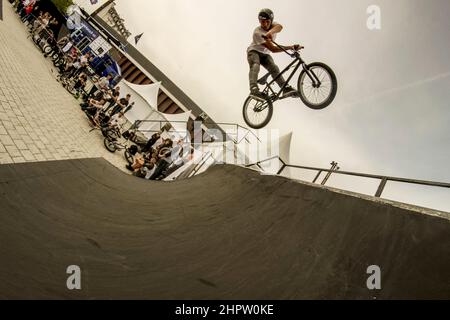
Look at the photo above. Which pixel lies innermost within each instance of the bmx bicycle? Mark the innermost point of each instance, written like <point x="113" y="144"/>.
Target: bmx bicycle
<point x="316" y="86"/>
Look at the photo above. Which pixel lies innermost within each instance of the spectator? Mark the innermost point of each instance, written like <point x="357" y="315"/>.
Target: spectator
<point x="121" y="105"/>
<point x="93" y="106"/>
<point x="117" y="121"/>
<point x="65" y="44"/>
<point x="164" y="159"/>
<point x="102" y="84"/>
<point x="115" y="94"/>
<point x="41" y="23"/>
<point x="81" y="82"/>
<point x="149" y="145"/>
<point x="84" y="62"/>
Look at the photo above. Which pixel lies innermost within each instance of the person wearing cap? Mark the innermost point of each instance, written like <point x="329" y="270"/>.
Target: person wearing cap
<point x="258" y="53"/>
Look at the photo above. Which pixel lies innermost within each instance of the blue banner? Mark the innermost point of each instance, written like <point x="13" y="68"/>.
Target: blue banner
<point x="88" y="30"/>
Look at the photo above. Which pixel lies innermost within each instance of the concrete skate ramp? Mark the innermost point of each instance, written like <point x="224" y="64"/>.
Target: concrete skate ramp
<point x="227" y="234"/>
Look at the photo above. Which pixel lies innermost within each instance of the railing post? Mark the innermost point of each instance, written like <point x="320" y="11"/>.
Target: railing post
<point x="381" y="187"/>
<point x="281" y="169"/>
<point x="317" y="176"/>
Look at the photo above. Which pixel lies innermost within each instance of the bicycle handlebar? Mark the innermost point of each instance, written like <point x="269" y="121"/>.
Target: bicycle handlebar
<point x="281" y="47"/>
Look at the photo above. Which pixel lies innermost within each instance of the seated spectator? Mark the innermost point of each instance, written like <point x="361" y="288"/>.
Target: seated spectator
<point x="79" y="85"/>
<point x="41" y="23"/>
<point x="25" y="7"/>
<point x="103" y="84"/>
<point x="142" y="161"/>
<point x="81" y="82"/>
<point x="121" y="105"/>
<point x="115" y="95"/>
<point x="164" y="160"/>
<point x="84" y="61"/>
<point x="139" y="140"/>
<point x="71" y="68"/>
<point x="53" y="25"/>
<point x="117" y="121"/>
<point x="93" y="106"/>
<point x="149" y="145"/>
<point x="162" y="149"/>
<point x="65" y="44"/>
<point x="113" y="98"/>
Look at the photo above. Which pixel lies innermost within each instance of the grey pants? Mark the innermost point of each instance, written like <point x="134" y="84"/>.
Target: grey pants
<point x="255" y="59"/>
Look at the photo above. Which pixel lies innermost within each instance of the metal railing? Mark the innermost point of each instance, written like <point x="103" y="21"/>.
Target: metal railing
<point x="383" y="179"/>
<point x="229" y="136"/>
<point x="201" y="163"/>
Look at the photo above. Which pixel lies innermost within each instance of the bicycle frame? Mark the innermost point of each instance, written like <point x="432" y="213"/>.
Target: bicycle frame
<point x="300" y="62"/>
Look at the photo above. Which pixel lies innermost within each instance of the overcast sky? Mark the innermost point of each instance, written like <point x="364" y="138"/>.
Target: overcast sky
<point x="391" y="113"/>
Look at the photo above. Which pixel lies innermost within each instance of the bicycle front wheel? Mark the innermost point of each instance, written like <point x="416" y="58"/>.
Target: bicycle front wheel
<point x="257" y="112"/>
<point x="313" y="95"/>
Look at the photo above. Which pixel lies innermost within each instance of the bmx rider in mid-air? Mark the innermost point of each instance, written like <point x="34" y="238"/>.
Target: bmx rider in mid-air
<point x="259" y="53"/>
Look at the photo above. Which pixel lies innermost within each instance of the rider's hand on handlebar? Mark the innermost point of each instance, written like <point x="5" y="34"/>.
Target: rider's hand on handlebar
<point x="297" y="47"/>
<point x="268" y="36"/>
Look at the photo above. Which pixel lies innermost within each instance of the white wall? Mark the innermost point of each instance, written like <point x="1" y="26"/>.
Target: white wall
<point x="391" y="113"/>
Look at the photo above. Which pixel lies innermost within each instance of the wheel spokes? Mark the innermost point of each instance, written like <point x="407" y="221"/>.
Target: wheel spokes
<point x="313" y="93"/>
<point x="257" y="111"/>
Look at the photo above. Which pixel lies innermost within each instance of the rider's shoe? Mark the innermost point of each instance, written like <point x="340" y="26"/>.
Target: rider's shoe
<point x="129" y="167"/>
<point x="255" y="93"/>
<point x="289" y="92"/>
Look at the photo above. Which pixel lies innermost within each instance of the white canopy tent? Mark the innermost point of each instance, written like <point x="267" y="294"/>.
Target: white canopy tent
<point x="141" y="109"/>
<point x="145" y="109"/>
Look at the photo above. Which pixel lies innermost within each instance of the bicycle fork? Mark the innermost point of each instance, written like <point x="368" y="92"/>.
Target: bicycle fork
<point x="312" y="76"/>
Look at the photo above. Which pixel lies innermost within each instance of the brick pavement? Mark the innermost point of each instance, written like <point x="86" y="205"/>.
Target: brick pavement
<point x="39" y="119"/>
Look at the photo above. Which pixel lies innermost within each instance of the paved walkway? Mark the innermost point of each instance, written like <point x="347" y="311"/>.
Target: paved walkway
<point x="39" y="119"/>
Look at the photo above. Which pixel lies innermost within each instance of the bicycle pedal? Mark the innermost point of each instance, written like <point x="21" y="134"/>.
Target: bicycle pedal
<point x="258" y="98"/>
<point x="290" y="95"/>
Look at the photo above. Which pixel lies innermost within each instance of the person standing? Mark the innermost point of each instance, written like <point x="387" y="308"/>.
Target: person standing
<point x="258" y="53"/>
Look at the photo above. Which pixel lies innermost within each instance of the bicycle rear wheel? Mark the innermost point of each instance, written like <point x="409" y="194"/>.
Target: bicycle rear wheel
<point x="314" y="96"/>
<point x="109" y="145"/>
<point x="257" y="112"/>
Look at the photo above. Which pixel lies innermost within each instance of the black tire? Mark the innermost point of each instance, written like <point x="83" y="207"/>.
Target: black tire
<point x="109" y="145"/>
<point x="47" y="49"/>
<point x="58" y="63"/>
<point x="70" y="89"/>
<point x="256" y="108"/>
<point x="55" y="57"/>
<point x="36" y="39"/>
<point x="128" y="156"/>
<point x="111" y="135"/>
<point x="327" y="90"/>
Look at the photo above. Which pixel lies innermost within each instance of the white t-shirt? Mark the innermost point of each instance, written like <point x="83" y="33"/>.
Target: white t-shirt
<point x="26" y="3"/>
<point x="258" y="40"/>
<point x="116" y="120"/>
<point x="76" y="65"/>
<point x="83" y="60"/>
<point x="103" y="83"/>
<point x="67" y="47"/>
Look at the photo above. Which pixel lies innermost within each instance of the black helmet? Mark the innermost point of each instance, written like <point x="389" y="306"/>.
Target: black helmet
<point x="265" y="14"/>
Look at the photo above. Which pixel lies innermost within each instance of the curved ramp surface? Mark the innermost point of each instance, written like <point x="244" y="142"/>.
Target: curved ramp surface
<point x="227" y="234"/>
